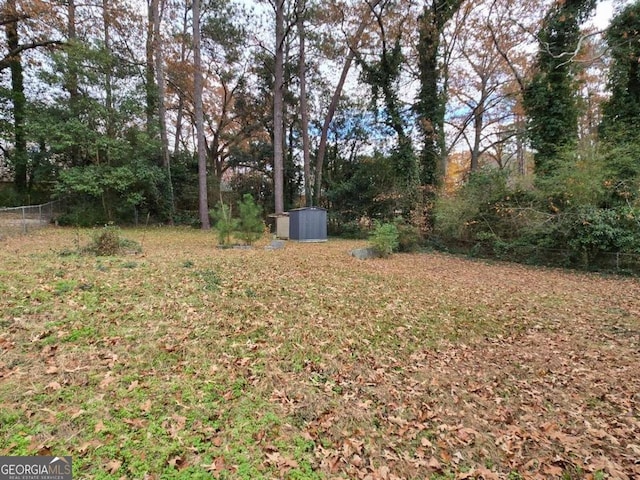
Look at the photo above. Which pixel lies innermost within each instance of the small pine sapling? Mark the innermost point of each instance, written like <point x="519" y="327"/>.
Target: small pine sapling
<point x="251" y="225"/>
<point x="225" y="224"/>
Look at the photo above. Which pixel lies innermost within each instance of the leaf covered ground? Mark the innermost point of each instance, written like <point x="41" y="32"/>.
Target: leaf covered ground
<point x="187" y="361"/>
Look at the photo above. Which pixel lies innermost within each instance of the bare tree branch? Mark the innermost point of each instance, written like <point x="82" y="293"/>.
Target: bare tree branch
<point x="9" y="57"/>
<point x="572" y="55"/>
<point x="5" y="20"/>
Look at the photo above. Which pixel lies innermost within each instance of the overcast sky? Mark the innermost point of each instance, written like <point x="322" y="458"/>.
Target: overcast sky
<point x="604" y="12"/>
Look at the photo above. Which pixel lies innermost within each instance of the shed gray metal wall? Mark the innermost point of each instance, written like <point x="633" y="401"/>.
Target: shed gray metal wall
<point x="308" y="224"/>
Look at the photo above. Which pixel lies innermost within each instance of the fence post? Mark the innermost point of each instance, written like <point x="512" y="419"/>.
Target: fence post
<point x="24" y="220"/>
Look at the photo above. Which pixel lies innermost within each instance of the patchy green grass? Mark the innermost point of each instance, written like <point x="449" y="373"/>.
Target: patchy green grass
<point x="187" y="361"/>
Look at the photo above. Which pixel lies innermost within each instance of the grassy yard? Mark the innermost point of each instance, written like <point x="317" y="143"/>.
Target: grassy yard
<point x="186" y="361"/>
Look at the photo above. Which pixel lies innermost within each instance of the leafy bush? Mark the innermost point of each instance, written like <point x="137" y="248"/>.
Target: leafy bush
<point x="85" y="213"/>
<point x="409" y="236"/>
<point x="576" y="215"/>
<point x="8" y="196"/>
<point x="343" y="225"/>
<point x="477" y="208"/>
<point x="452" y="217"/>
<point x="108" y="242"/>
<point x="363" y="189"/>
<point x="578" y="179"/>
<point x="251" y="226"/>
<point x="119" y="191"/>
<point x="384" y="239"/>
<point x="596" y="230"/>
<point x="623" y="171"/>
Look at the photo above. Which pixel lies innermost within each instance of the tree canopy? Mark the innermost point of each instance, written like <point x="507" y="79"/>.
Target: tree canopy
<point x="375" y="109"/>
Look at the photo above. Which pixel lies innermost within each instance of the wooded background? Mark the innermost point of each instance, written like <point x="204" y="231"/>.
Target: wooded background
<point x="490" y="123"/>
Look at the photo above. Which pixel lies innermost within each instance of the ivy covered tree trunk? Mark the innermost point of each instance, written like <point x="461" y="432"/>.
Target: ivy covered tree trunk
<point x="19" y="156"/>
<point x="621" y="113"/>
<point x="430" y="105"/>
<point x="383" y="75"/>
<point x="620" y="127"/>
<point x="550" y="99"/>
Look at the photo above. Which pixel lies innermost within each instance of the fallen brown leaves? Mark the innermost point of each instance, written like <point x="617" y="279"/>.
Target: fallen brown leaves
<point x="554" y="393"/>
<point x="417" y="366"/>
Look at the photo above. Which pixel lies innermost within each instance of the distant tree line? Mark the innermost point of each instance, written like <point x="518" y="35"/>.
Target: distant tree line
<point x="437" y="115"/>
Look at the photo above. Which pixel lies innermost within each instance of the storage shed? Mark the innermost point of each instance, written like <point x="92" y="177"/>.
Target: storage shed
<point x="282" y="226"/>
<point x="308" y="224"/>
<point x="279" y="224"/>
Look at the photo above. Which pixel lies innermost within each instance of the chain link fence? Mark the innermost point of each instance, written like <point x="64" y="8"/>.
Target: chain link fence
<point x="612" y="262"/>
<point x="22" y="220"/>
<point x="607" y="262"/>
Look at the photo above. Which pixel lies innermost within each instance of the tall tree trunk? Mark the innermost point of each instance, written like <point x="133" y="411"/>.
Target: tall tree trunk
<point x="550" y="99"/>
<point x="150" y="85"/>
<point x="203" y="204"/>
<point x="478" y="127"/>
<point x="108" y="83"/>
<point x="158" y="6"/>
<point x="278" y="106"/>
<point x="430" y="106"/>
<point x="20" y="158"/>
<point x="108" y="80"/>
<point x="71" y="78"/>
<point x="477" y="132"/>
<point x="335" y="99"/>
<point x="215" y="162"/>
<point x="71" y="83"/>
<point x="304" y="108"/>
<point x="520" y="145"/>
<point x="178" y="130"/>
<point x="382" y="75"/>
<point x="181" y="99"/>
<point x="290" y="185"/>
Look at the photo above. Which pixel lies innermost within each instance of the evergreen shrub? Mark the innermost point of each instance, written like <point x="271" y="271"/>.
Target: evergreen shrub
<point x="384" y="239"/>
<point x="225" y="223"/>
<point x="250" y="225"/>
